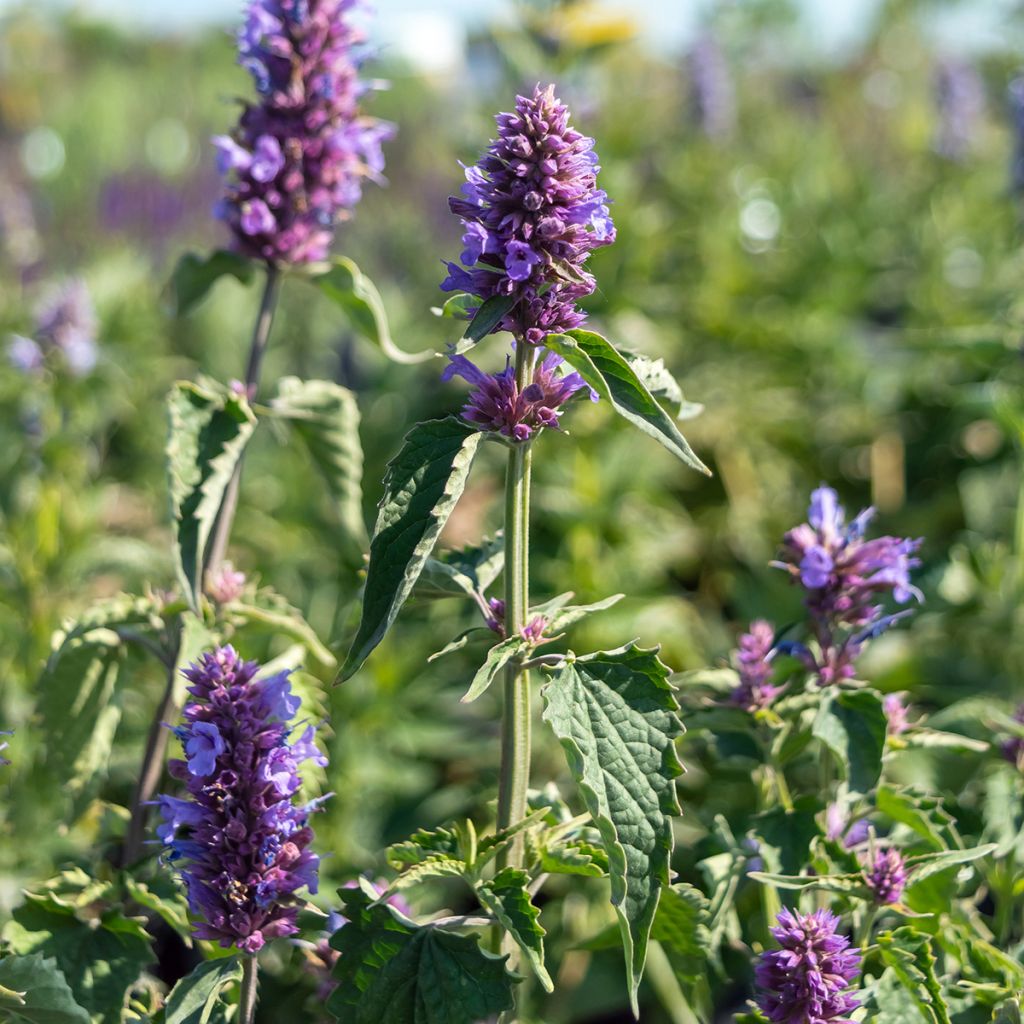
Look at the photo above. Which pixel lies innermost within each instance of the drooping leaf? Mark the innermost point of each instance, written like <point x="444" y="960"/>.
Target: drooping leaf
<point x="681" y="926"/>
<point x="457" y="307"/>
<point x="506" y="897"/>
<point x="611" y="376"/>
<point x="497" y="658"/>
<point x="616" y="718"/>
<point x="424" y="482"/>
<point x="163" y="898"/>
<point x="853" y="725"/>
<point x="392" y="972"/>
<point x="850" y="885"/>
<point x="196" y="998"/>
<point x="461" y="641"/>
<point x="34" y="991"/>
<point x="909" y="954"/>
<point x="113" y="613"/>
<point x="326" y="416"/>
<point x="655" y="376"/>
<point x="208" y="433"/>
<point x="350" y="289"/>
<point x="195" y="275"/>
<point x="463" y="572"/>
<point x="563" y="618"/>
<point x="924" y="738"/>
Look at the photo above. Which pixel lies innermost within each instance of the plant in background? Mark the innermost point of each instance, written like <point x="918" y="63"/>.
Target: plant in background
<point x="532" y="213"/>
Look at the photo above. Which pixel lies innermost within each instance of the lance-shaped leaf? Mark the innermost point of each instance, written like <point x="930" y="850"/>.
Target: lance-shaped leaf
<point x="497" y="658"/>
<point x="350" y="289"/>
<point x="926" y="864"/>
<point x="506" y="897"/>
<point x="488" y="316"/>
<point x="195" y="275"/>
<point x="564" y="617"/>
<point x="853" y="725"/>
<point x="616" y="717"/>
<point x="662" y="385"/>
<point x="848" y="885"/>
<point x="609" y="373"/>
<point x="464" y="572"/>
<point x="196" y="997"/>
<point x="34" y="991"/>
<point x="423" y="484"/>
<point x="392" y="972"/>
<point x="909" y="954"/>
<point x="326" y="416"/>
<point x="123" y="611"/>
<point x="208" y="433"/>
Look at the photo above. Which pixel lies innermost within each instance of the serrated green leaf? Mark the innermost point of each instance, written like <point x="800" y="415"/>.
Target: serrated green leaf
<point x="464" y="572"/>
<point x="392" y="972"/>
<point x="574" y="857"/>
<point x="33" y="990"/>
<point x="196" y="998"/>
<point x="351" y="290"/>
<point x="612" y="377"/>
<point x="562" y="618"/>
<point x="506" y="896"/>
<point x="208" y="433"/>
<point x="489" y="846"/>
<point x="488" y="316"/>
<point x="497" y="658"/>
<point x="853" y="725"/>
<point x="845" y="884"/>
<point x="892" y="1003"/>
<point x="654" y="375"/>
<point x="926" y="864"/>
<point x="922" y="813"/>
<point x="122" y="610"/>
<point x="909" y="954"/>
<point x="426" y="853"/>
<point x="616" y="718"/>
<point x="923" y="738"/>
<point x="326" y="416"/>
<point x="681" y="926"/>
<point x="786" y="836"/>
<point x="164" y="899"/>
<point x="424" y="482"/>
<point x="195" y="275"/>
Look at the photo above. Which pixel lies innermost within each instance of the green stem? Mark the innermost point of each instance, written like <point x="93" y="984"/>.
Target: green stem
<point x="250" y="984"/>
<point x="260" y="339"/>
<point x="863" y="937"/>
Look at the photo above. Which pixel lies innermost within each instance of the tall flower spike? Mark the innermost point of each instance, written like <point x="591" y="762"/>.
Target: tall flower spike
<point x="844" y="576"/>
<point x="753" y="662"/>
<point x="240" y="835"/>
<point x="807" y="981"/>
<point x="296" y="163"/>
<point x="886" y="875"/>
<point x="532" y="214"/>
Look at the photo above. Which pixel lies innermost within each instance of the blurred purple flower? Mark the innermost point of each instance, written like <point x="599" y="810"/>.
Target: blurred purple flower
<point x="886" y="875"/>
<point x="246" y="844"/>
<point x="753" y="660"/>
<point x="959" y="102"/>
<point x="532" y="214"/>
<point x="896" y="714"/>
<point x="844" y="575"/>
<point x="66" y="321"/>
<point x="24" y="354"/>
<point x="807" y="980"/>
<point x="296" y="163"/>
<point x="712" y="96"/>
<point x="225" y="584"/>
<point x="836" y="820"/>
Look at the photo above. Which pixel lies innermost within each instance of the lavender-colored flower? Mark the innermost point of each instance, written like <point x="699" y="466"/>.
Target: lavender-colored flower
<point x="1013" y="748"/>
<point x="245" y="842"/>
<point x="896" y="714"/>
<point x="712" y="96"/>
<point x="753" y="660"/>
<point x="66" y="321"/>
<point x="495" y="617"/>
<point x="959" y="101"/>
<point x="225" y="584"/>
<point x="844" y="575"/>
<point x="533" y="631"/>
<point x="886" y="875"/>
<point x="807" y="981"/>
<point x="296" y="163"/>
<point x="495" y="403"/>
<point x="532" y="214"/>
<point x="24" y="354"/>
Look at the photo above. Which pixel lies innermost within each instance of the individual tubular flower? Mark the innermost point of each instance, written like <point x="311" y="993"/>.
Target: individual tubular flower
<point x="807" y="981"/>
<point x="753" y="660"/>
<point x="242" y="838"/>
<point x="497" y="404"/>
<point x="844" y="577"/>
<point x="886" y="875"/>
<point x="532" y="214"/>
<point x="296" y="163"/>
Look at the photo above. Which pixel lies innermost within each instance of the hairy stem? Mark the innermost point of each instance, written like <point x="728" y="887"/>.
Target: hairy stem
<point x="250" y="984"/>
<point x="260" y="338"/>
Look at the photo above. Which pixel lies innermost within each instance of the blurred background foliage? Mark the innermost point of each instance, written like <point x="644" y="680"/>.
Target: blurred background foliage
<point x="825" y="252"/>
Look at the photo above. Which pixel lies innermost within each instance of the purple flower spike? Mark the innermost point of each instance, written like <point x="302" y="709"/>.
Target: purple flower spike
<point x="532" y="214"/>
<point x="886" y="876"/>
<point x="896" y="714"/>
<point x="753" y="662"/>
<point x="495" y="403"/>
<point x="844" y="576"/>
<point x="295" y="165"/>
<point x="242" y="840"/>
<point x="807" y="980"/>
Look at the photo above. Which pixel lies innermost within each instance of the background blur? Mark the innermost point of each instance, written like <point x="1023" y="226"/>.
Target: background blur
<point x="819" y="231"/>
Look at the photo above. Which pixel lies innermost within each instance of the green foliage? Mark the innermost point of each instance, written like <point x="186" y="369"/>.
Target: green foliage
<point x="392" y="972"/>
<point x="909" y="955"/>
<point x="488" y="316"/>
<point x="208" y="433"/>
<point x="852" y="724"/>
<point x="506" y="896"/>
<point x="196" y="998"/>
<point x="615" y="716"/>
<point x="195" y="275"/>
<point x="423" y="484"/>
<point x="500" y="655"/>
<point x="611" y="375"/>
<point x="464" y="572"/>
<point x="33" y="991"/>
<point x="681" y="926"/>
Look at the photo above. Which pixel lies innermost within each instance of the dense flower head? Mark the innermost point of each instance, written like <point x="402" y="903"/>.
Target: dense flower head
<point x="296" y="163"/>
<point x="844" y="576"/>
<point x="753" y="659"/>
<point x="497" y="404"/>
<point x="240" y="835"/>
<point x="886" y="875"/>
<point x="65" y="325"/>
<point x="807" y="981"/>
<point x="532" y="214"/>
<point x="959" y="101"/>
<point x="1013" y="748"/>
